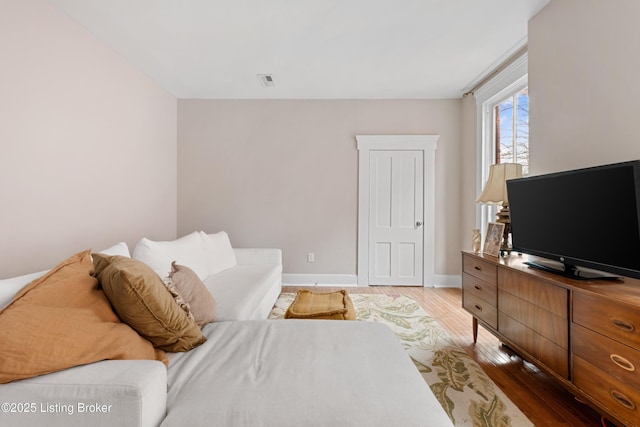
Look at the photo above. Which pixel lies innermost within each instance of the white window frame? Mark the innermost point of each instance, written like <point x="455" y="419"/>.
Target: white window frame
<point x="510" y="80"/>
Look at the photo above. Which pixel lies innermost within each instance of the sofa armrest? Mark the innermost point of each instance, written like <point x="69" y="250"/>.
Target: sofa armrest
<point x="258" y="256"/>
<point x="131" y="393"/>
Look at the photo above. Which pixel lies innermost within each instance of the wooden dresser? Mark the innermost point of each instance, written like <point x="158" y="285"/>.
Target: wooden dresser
<point x="584" y="333"/>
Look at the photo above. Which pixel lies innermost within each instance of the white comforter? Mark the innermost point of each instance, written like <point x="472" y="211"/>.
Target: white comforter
<point x="299" y="373"/>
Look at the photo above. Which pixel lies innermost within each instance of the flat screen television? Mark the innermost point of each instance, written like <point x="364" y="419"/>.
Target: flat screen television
<point x="580" y="218"/>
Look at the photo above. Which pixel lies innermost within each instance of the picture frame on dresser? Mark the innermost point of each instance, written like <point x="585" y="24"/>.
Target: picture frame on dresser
<point x="493" y="238"/>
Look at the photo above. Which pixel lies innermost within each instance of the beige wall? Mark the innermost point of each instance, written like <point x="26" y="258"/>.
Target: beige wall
<point x="583" y="84"/>
<point x="284" y="174"/>
<point x="468" y="170"/>
<point x="88" y="143"/>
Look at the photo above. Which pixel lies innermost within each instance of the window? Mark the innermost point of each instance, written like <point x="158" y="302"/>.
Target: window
<point x="503" y="126"/>
<point x="511" y="129"/>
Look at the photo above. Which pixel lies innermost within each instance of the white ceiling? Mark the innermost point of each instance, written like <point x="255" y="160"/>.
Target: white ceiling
<point x="315" y="49"/>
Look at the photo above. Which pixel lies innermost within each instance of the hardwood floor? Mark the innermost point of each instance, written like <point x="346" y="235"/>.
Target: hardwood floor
<point x="539" y="397"/>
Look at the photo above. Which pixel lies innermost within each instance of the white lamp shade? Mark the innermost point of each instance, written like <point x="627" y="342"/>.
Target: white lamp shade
<point x="495" y="191"/>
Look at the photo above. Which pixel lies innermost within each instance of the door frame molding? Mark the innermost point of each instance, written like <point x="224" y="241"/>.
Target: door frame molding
<point x="425" y="143"/>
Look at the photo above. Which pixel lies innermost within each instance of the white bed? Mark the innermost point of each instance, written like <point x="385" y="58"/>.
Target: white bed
<point x="299" y="373"/>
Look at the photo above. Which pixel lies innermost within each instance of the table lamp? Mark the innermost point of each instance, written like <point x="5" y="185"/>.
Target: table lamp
<point x="495" y="193"/>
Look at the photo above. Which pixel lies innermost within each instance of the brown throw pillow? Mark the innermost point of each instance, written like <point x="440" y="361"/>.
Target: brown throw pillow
<point x="201" y="302"/>
<point x="61" y="320"/>
<point x="143" y="302"/>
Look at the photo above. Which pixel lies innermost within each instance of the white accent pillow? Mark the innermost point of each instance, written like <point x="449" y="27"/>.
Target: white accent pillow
<point x="117" y="249"/>
<point x="10" y="287"/>
<point x="188" y="250"/>
<point x="220" y="255"/>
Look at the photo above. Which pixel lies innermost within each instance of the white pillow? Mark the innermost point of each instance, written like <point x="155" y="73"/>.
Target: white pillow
<point x="220" y="255"/>
<point x="188" y="250"/>
<point x="117" y="249"/>
<point x="10" y="287"/>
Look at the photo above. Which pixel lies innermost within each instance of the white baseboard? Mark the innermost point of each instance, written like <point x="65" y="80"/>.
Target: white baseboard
<point x="346" y="280"/>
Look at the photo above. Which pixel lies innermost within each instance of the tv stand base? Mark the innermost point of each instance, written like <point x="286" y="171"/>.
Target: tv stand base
<point x="570" y="271"/>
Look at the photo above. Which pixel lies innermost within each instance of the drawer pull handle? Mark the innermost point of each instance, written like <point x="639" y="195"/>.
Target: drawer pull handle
<point x="479" y="308"/>
<point x="622" y="362"/>
<point x="622" y="399"/>
<point x="477" y="267"/>
<point x="479" y="288"/>
<point x="621" y="324"/>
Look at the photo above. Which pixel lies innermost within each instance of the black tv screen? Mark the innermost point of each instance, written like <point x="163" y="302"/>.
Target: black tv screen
<point x="587" y="217"/>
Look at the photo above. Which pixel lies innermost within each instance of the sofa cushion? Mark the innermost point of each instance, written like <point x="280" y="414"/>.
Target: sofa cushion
<point x="188" y="250"/>
<point x="311" y="373"/>
<point x="142" y="301"/>
<point x="201" y="303"/>
<point x="220" y="254"/>
<point x="133" y="392"/>
<point x="240" y="290"/>
<point x="117" y="249"/>
<point x="62" y="320"/>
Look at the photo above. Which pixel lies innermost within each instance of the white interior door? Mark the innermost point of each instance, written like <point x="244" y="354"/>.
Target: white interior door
<point x="396" y="216"/>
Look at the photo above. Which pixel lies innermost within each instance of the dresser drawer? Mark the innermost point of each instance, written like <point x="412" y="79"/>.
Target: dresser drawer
<point x="612" y="357"/>
<point x="619" y="399"/>
<point x="483" y="270"/>
<point x="545" y="323"/>
<point x="554" y="299"/>
<point x="480" y="309"/>
<point x="479" y="288"/>
<point x="552" y="355"/>
<point x="614" y="320"/>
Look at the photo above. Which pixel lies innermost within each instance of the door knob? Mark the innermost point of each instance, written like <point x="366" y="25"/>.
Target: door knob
<point x="418" y="224"/>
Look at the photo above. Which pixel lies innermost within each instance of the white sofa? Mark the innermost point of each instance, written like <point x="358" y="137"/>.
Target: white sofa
<point x="248" y="372"/>
<point x="245" y="286"/>
<point x="248" y="290"/>
<point x="244" y="282"/>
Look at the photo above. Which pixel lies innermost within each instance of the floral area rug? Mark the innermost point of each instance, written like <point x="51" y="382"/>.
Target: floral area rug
<point x="465" y="392"/>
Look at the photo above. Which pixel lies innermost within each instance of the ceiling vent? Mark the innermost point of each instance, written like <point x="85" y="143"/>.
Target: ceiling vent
<point x="266" y="80"/>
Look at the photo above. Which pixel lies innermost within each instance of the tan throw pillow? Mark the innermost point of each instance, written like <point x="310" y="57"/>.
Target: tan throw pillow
<point x="143" y="302"/>
<point x="61" y="320"/>
<point x="195" y="293"/>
